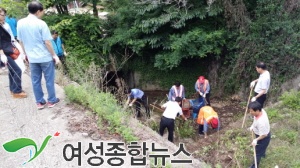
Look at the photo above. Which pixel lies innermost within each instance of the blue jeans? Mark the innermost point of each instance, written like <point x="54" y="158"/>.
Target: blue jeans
<point x="14" y="76"/>
<point x="48" y="69"/>
<point x="203" y="128"/>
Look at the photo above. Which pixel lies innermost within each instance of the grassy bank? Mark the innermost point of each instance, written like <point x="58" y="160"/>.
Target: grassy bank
<point x="284" y="148"/>
<point x="232" y="147"/>
<point x="104" y="105"/>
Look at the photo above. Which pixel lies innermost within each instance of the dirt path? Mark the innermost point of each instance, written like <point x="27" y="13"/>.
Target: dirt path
<point x="20" y="118"/>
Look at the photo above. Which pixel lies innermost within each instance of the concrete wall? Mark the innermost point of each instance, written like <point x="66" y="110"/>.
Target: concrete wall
<point x="134" y="81"/>
<point x="291" y="84"/>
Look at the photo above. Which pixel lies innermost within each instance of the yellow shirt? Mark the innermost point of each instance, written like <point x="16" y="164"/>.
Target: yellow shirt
<point x="206" y="113"/>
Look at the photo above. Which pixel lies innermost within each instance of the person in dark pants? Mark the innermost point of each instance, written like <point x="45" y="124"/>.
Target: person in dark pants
<point x="261" y="129"/>
<point x="6" y="45"/>
<point x="138" y="97"/>
<point x="262" y="84"/>
<point x="203" y="88"/>
<point x="169" y="115"/>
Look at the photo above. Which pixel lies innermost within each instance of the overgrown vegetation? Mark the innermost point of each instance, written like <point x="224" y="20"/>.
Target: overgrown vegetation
<point x="166" y="36"/>
<point x="184" y="129"/>
<point x="291" y="99"/>
<point x="105" y="105"/>
<point x="233" y="147"/>
<point x="82" y="36"/>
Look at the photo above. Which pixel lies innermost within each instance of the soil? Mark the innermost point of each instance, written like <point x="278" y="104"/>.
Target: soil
<point x="229" y="112"/>
<point x="85" y="122"/>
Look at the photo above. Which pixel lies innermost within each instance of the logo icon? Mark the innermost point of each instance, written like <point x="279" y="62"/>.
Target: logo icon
<point x="19" y="143"/>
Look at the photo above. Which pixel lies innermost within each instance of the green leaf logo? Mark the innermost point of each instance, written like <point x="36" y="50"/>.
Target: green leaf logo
<point x="19" y="143"/>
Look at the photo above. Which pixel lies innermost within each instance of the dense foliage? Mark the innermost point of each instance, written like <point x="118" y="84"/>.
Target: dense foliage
<point x="173" y="41"/>
<point x="81" y="34"/>
<point x="233" y="35"/>
<point x="166" y="32"/>
<point x="272" y="37"/>
<point x="16" y="9"/>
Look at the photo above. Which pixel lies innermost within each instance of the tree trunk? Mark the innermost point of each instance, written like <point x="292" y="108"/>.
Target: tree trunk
<point x="65" y="7"/>
<point x="59" y="11"/>
<point x="95" y="10"/>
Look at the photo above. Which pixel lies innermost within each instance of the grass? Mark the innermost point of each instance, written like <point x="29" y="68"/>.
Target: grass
<point x="283" y="149"/>
<point x="104" y="105"/>
<point x="92" y="94"/>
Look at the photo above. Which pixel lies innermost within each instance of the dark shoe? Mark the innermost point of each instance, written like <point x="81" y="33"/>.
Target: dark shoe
<point x="19" y="95"/>
<point x="50" y="105"/>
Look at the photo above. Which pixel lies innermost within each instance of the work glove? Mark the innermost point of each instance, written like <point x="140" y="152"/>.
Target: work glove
<point x="252" y="84"/>
<point x="254" y="142"/>
<point x="65" y="53"/>
<point x="4" y="59"/>
<point x="201" y="94"/>
<point x="253" y="99"/>
<point x="130" y="105"/>
<point x="204" y="95"/>
<point x="251" y="128"/>
<point x="56" y="60"/>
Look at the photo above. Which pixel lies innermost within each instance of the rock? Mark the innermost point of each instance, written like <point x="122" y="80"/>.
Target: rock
<point x="85" y="134"/>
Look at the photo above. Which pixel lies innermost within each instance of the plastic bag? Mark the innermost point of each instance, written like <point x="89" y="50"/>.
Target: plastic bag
<point x="20" y="60"/>
<point x="197" y="104"/>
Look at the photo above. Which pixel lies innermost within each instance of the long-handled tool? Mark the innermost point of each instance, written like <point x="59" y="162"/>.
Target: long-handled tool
<point x="254" y="151"/>
<point x="205" y="101"/>
<point x="247" y="107"/>
<point x="157" y="107"/>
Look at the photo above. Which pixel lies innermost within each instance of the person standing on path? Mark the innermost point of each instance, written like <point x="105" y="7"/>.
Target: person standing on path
<point x="59" y="48"/>
<point x="203" y="88"/>
<point x="177" y="90"/>
<point x="6" y="45"/>
<point x="261" y="129"/>
<point x="169" y="115"/>
<point x="262" y="84"/>
<point x="138" y="97"/>
<point x="35" y="38"/>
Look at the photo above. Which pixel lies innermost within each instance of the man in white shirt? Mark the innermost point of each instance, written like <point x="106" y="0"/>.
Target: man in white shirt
<point x="169" y="115"/>
<point x="262" y="84"/>
<point x="261" y="129"/>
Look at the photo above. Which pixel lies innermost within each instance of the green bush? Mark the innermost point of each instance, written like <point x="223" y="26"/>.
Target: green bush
<point x="184" y="128"/>
<point x="274" y="115"/>
<point x="81" y="34"/>
<point x="291" y="99"/>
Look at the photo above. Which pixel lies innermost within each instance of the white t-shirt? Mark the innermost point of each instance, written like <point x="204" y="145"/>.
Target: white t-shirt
<point x="172" y="108"/>
<point x="263" y="82"/>
<point x="261" y="124"/>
